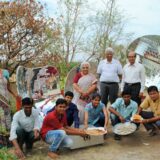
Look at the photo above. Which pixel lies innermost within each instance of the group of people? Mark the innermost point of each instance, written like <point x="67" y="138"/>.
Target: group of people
<point x="86" y="106"/>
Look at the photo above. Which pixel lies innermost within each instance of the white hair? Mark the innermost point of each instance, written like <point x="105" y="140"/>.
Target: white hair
<point x="85" y="63"/>
<point x="109" y="49"/>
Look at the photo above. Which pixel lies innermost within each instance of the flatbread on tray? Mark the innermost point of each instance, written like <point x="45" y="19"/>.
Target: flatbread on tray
<point x="96" y="131"/>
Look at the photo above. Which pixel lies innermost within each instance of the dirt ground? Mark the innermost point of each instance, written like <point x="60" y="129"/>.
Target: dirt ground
<point x="137" y="146"/>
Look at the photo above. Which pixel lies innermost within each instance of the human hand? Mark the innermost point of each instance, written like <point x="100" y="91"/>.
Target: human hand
<point x="36" y="134"/>
<point x="141" y="94"/>
<point x="144" y="121"/>
<point x="19" y="154"/>
<point x="105" y="128"/>
<point x="84" y="135"/>
<point x="122" y="119"/>
<point x="85" y="127"/>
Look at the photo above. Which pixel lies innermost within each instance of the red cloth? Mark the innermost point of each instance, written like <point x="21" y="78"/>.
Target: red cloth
<point x="52" y="70"/>
<point x="77" y="77"/>
<point x="51" y="122"/>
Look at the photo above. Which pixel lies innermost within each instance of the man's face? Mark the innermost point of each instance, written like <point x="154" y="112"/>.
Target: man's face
<point x="127" y="98"/>
<point x="154" y="95"/>
<point x="68" y="99"/>
<point x="27" y="110"/>
<point x="95" y="101"/>
<point x="109" y="56"/>
<point x="131" y="57"/>
<point x="61" y="108"/>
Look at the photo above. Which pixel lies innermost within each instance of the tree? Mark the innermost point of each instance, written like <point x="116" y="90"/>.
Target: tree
<point x="72" y="27"/>
<point x="22" y="34"/>
<point x="108" y="26"/>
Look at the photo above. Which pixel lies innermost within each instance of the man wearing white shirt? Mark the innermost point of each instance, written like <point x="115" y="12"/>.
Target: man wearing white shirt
<point x="109" y="71"/>
<point x="24" y="127"/>
<point x="133" y="78"/>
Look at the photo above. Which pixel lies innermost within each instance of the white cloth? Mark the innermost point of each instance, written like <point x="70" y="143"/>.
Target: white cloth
<point x="133" y="74"/>
<point x="109" y="71"/>
<point x="27" y="123"/>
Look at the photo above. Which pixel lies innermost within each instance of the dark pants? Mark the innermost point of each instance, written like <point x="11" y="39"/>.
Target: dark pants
<point x="115" y="120"/>
<point x="135" y="90"/>
<point x="101" y="121"/>
<point x="152" y="125"/>
<point x="109" y="91"/>
<point x="25" y="137"/>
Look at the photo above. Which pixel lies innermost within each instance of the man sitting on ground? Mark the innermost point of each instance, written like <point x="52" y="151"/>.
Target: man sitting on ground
<point x="122" y="110"/>
<point x="25" y="127"/>
<point x="55" y="130"/>
<point x="151" y="119"/>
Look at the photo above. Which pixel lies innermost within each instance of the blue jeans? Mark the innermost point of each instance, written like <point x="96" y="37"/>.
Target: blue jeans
<point x="58" y="139"/>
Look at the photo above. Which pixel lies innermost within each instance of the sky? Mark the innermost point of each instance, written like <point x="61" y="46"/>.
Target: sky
<point x="142" y="15"/>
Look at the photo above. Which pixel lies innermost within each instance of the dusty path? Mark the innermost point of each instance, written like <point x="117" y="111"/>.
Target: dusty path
<point x="138" y="146"/>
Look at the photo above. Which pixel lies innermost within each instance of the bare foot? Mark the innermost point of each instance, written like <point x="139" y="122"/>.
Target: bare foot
<point x="52" y="155"/>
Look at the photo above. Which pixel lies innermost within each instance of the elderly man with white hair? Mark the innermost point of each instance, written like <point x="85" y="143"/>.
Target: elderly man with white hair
<point x="110" y="71"/>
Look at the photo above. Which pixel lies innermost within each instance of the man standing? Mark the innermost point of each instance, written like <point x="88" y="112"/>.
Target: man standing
<point x="151" y="119"/>
<point x="109" y="70"/>
<point x="25" y="127"/>
<point x="133" y="78"/>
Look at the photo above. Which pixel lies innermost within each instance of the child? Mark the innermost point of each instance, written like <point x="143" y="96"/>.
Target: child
<point x="72" y="110"/>
<point x="95" y="113"/>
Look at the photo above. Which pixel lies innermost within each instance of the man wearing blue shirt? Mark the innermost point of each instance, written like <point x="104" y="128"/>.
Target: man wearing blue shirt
<point x="122" y="110"/>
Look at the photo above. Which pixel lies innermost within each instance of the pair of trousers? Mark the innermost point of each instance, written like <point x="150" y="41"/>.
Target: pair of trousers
<point x="152" y="125"/>
<point x="25" y="137"/>
<point x="58" y="139"/>
<point x="135" y="90"/>
<point x="115" y="120"/>
<point x="109" y="91"/>
<point x="101" y="121"/>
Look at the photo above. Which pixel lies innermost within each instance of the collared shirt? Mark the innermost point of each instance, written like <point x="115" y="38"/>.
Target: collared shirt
<point x="94" y="112"/>
<point x="109" y="71"/>
<point x="27" y="123"/>
<point x="153" y="105"/>
<point x="52" y="122"/>
<point x="133" y="74"/>
<point x="125" y="111"/>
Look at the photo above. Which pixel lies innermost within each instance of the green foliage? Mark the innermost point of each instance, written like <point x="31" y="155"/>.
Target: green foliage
<point x="5" y="155"/>
<point x="64" y="70"/>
